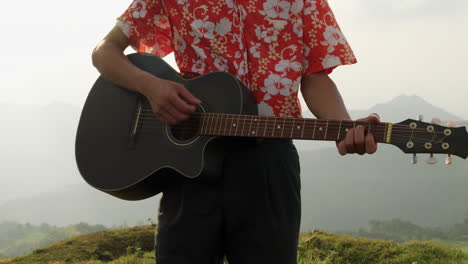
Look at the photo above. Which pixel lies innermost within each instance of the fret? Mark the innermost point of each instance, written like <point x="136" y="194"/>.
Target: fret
<point x="203" y="121"/>
<point x="273" y="130"/>
<point x="250" y="132"/>
<point x="284" y="121"/>
<point x="225" y="125"/>
<point x="258" y="124"/>
<point x="293" y="127"/>
<point x="315" y="126"/>
<point x="339" y="130"/>
<point x="243" y="126"/>
<point x="237" y="124"/>
<point x="209" y="124"/>
<point x="385" y="132"/>
<point x="303" y="127"/>
<point x="326" y="131"/>
<point x="215" y="129"/>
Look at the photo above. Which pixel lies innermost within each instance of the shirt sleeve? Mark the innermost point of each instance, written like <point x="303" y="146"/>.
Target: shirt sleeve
<point x="147" y="26"/>
<point x="325" y="46"/>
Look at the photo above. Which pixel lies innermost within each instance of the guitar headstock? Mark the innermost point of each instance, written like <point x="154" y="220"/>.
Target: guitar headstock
<point x="415" y="136"/>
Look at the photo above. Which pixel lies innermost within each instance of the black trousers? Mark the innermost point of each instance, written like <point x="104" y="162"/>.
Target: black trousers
<point x="251" y="214"/>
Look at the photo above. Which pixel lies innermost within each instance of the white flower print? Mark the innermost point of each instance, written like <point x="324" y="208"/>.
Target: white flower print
<point x="269" y="35"/>
<point x="181" y="2"/>
<point x="220" y="63"/>
<point x="276" y="8"/>
<point x="161" y="21"/>
<point x="125" y="27"/>
<point x="199" y="51"/>
<point x="297" y="28"/>
<point x="203" y="28"/>
<point x="331" y="61"/>
<point x="179" y="42"/>
<point x="287" y="65"/>
<point x="264" y="109"/>
<point x="241" y="68"/>
<point x="223" y="27"/>
<point x="140" y="9"/>
<point x="297" y="6"/>
<point x="198" y="66"/>
<point x="255" y="49"/>
<point x="333" y="36"/>
<point x="230" y="3"/>
<point x="310" y="6"/>
<point x="275" y="84"/>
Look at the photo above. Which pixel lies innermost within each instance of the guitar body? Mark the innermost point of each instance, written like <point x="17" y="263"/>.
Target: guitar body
<point x="133" y="163"/>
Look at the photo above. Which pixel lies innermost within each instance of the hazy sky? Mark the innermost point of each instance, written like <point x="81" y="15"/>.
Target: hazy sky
<point x="411" y="46"/>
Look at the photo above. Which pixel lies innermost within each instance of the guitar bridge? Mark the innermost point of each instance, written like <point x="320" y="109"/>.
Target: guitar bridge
<point x="136" y="123"/>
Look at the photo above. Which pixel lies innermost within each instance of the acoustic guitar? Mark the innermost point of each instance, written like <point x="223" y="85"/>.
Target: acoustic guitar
<point x="123" y="149"/>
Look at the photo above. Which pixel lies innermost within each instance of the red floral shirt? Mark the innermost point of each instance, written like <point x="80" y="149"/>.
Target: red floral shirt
<point x="267" y="44"/>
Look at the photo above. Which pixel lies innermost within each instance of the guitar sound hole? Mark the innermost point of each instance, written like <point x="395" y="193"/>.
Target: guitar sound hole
<point x="186" y="132"/>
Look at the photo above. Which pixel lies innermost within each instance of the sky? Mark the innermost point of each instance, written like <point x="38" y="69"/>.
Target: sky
<point x="403" y="47"/>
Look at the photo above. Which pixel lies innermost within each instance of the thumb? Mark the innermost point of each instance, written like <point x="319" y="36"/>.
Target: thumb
<point x="372" y="118"/>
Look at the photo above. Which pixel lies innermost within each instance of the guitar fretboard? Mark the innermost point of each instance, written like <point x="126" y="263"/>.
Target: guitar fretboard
<point x="215" y="124"/>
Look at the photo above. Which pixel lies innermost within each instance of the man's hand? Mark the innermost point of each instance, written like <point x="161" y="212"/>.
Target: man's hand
<point x="170" y="101"/>
<point x="357" y="141"/>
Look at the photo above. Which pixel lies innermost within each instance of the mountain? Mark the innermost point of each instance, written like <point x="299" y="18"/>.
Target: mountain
<point x="406" y="106"/>
<point x="396" y="110"/>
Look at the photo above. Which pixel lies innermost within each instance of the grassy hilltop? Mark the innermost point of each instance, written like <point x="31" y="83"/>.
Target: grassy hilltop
<point x="135" y="245"/>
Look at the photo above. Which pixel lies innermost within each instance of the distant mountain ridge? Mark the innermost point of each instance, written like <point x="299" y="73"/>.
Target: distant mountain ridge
<point x="40" y="182"/>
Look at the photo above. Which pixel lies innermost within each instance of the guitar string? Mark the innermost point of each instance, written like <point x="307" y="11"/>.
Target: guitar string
<point x="399" y="137"/>
<point x="250" y="117"/>
<point x="330" y="122"/>
<point x="262" y="124"/>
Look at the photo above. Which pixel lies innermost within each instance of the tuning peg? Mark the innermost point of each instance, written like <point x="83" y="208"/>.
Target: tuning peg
<point x="431" y="160"/>
<point x="436" y="121"/>
<point x="414" y="159"/>
<point x="448" y="160"/>
<point x="452" y="124"/>
<point x="420" y="117"/>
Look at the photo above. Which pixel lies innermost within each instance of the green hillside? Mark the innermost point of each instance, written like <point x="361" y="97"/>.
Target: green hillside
<point x="135" y="245"/>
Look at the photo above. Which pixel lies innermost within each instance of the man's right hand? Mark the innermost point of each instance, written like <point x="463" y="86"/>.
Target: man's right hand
<point x="172" y="102"/>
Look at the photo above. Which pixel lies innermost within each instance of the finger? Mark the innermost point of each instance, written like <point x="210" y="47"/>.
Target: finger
<point x="341" y="148"/>
<point x="359" y="140"/>
<point x="174" y="113"/>
<point x="372" y="118"/>
<point x="349" y="142"/>
<point x="182" y="106"/>
<point x="187" y="95"/>
<point x="166" y="118"/>
<point x="371" y="146"/>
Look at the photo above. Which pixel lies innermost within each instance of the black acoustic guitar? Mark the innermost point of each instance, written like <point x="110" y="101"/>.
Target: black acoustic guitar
<point x="124" y="150"/>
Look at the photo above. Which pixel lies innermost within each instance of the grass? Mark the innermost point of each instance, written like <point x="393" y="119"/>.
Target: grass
<point x="135" y="246"/>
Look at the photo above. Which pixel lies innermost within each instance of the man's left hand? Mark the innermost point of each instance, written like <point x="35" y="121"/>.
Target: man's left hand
<point x="357" y="141"/>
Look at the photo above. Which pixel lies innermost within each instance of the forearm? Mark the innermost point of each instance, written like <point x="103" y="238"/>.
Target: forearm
<point x="323" y="98"/>
<point x="113" y="65"/>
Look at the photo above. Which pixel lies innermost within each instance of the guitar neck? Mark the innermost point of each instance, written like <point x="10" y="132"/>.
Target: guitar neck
<point x="216" y="124"/>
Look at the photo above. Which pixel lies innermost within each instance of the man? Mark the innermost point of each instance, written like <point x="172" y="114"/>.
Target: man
<point x="251" y="213"/>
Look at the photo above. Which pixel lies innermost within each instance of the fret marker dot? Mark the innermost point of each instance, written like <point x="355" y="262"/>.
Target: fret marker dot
<point x="298" y="127"/>
<point x="233" y="125"/>
<point x="279" y="126"/>
<point x="347" y="129"/>
<point x="255" y="120"/>
<point x="253" y="132"/>
<point x="320" y="129"/>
